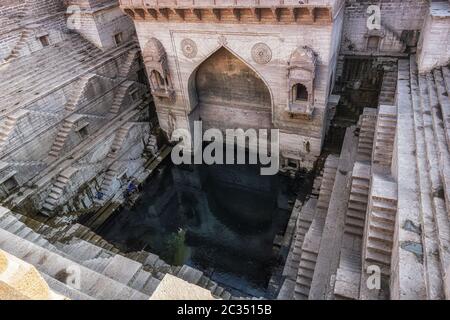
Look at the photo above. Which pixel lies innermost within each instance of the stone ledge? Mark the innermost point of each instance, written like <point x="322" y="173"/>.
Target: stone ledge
<point x="21" y="281"/>
<point x="173" y="288"/>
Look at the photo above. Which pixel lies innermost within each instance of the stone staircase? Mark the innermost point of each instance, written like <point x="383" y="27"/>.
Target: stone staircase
<point x="15" y="52"/>
<point x="76" y="95"/>
<point x="380" y="227"/>
<point x="388" y="88"/>
<point x="326" y="187"/>
<point x="303" y="224"/>
<point x="78" y="57"/>
<point x="366" y="134"/>
<point x="384" y="136"/>
<point x="291" y="267"/>
<point x="348" y="275"/>
<point x="119" y="139"/>
<point x="331" y="230"/>
<point x="311" y="242"/>
<point x="9" y="125"/>
<point x="52" y="200"/>
<point x="442" y="81"/>
<point x="110" y="175"/>
<point x="62" y="250"/>
<point x="124" y="70"/>
<point x="118" y="99"/>
<point x="432" y="168"/>
<point x="306" y="267"/>
<point x="62" y="135"/>
<point x="440" y="109"/>
<point x="357" y="204"/>
<point x="72" y="275"/>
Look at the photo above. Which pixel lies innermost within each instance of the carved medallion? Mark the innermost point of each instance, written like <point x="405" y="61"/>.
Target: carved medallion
<point x="189" y="48"/>
<point x="261" y="53"/>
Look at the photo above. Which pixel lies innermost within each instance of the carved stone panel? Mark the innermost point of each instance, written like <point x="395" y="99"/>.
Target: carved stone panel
<point x="189" y="48"/>
<point x="261" y="53"/>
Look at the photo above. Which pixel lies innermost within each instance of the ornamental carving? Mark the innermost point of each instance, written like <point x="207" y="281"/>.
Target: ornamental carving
<point x="261" y="53"/>
<point x="301" y="75"/>
<point x="155" y="59"/>
<point x="189" y="48"/>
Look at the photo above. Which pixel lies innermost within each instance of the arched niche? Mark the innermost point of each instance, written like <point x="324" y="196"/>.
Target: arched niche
<point x="301" y="76"/>
<point x="155" y="59"/>
<point x="227" y="92"/>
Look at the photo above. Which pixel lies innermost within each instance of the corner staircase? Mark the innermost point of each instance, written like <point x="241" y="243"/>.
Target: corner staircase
<point x="366" y="134"/>
<point x="76" y="95"/>
<point x="118" y="99"/>
<point x="388" y="88"/>
<point x="15" y="52"/>
<point x="385" y="135"/>
<point x="110" y="175"/>
<point x="303" y="224"/>
<point x="311" y="242"/>
<point x="9" y="125"/>
<point x="57" y="190"/>
<point x="119" y="139"/>
<point x="125" y="69"/>
<point x="326" y="187"/>
<point x="357" y="204"/>
<point x="63" y="133"/>
<point x="381" y="223"/>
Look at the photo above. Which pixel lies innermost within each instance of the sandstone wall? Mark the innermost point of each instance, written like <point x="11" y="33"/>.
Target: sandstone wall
<point x="239" y="41"/>
<point x="101" y="26"/>
<point x="434" y="45"/>
<point x="397" y="16"/>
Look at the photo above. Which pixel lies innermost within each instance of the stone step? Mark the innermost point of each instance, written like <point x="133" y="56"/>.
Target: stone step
<point x="378" y="245"/>
<point x="57" y="266"/>
<point x="309" y="256"/>
<point x="64" y="289"/>
<point x="374" y="256"/>
<point x="384" y="204"/>
<point x="382" y="236"/>
<point x="357" y="206"/>
<point x="144" y="282"/>
<point x="357" y="231"/>
<point x="383" y="216"/>
<point x="357" y="214"/>
<point x="358" y="223"/>
<point x="381" y="226"/>
<point x="356" y="198"/>
<point x="301" y="293"/>
<point x="304" y="281"/>
<point x="306" y="273"/>
<point x="81" y="250"/>
<point x="350" y="260"/>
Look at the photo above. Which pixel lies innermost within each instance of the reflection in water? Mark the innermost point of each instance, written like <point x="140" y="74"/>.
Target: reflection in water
<point x="220" y="219"/>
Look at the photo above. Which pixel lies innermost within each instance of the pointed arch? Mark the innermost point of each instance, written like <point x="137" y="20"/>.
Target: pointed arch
<point x="191" y="83"/>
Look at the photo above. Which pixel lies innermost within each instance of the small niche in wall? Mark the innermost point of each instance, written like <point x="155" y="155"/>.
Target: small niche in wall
<point x="300" y="92"/>
<point x="373" y="42"/>
<point x="82" y="130"/>
<point x="118" y="38"/>
<point x="45" y="41"/>
<point x="9" y="185"/>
